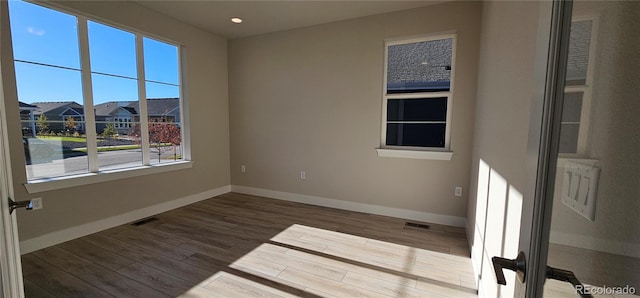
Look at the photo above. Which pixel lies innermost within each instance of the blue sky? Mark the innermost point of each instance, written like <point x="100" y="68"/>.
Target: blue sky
<point x="46" y="36"/>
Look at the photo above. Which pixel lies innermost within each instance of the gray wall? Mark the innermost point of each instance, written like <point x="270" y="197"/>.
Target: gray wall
<point x="206" y="86"/>
<point x="311" y="99"/>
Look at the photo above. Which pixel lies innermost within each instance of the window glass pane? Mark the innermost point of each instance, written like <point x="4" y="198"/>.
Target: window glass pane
<point x="43" y="35"/>
<point x="155" y="90"/>
<point x="418" y="109"/>
<point x="572" y="107"/>
<point x="420" y="66"/>
<point x="416" y="134"/>
<point x="165" y="137"/>
<point x="160" y="62"/>
<point x="109" y="88"/>
<point x="578" y="60"/>
<point x="117" y="122"/>
<point x="112" y="51"/>
<point x="569" y="138"/>
<point x="53" y="123"/>
<point x="44" y="83"/>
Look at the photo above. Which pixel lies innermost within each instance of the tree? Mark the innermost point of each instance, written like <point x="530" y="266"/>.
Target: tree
<point x="109" y="132"/>
<point x="162" y="134"/>
<point x="70" y="124"/>
<point x="42" y="124"/>
<point x="162" y="137"/>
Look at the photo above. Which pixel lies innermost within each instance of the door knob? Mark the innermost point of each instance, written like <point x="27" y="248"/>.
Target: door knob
<point x="519" y="265"/>
<point x="568" y="276"/>
<point x="19" y="204"/>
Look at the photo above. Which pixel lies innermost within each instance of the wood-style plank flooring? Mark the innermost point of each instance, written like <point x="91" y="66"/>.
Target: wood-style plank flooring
<point x="238" y="245"/>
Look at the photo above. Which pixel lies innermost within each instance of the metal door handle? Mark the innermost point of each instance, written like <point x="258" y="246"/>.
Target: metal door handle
<point x="19" y="204"/>
<point x="519" y="265"/>
<point x="568" y="276"/>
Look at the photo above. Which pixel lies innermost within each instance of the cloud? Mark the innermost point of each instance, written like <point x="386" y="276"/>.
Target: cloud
<point x="35" y="31"/>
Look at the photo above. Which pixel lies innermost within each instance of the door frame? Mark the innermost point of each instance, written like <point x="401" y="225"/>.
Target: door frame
<point x="545" y="136"/>
<point x="10" y="264"/>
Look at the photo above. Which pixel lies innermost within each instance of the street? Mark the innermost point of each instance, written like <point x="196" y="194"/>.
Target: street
<point x="57" y="166"/>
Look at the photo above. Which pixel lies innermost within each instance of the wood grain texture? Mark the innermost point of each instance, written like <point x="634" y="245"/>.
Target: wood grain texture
<point x="237" y="245"/>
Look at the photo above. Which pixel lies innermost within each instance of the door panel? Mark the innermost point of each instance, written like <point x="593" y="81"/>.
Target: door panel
<point x="10" y="267"/>
<point x="595" y="227"/>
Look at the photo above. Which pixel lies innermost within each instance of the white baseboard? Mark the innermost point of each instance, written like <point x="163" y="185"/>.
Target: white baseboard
<point x="448" y="220"/>
<point x="57" y="237"/>
<point x="597" y="244"/>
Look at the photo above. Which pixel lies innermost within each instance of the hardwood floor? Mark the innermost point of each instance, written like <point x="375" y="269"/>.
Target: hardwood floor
<point x="238" y="245"/>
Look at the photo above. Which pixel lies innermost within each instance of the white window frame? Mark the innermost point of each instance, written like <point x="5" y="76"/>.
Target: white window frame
<point x="586" y="89"/>
<point x="435" y="153"/>
<point x="94" y="174"/>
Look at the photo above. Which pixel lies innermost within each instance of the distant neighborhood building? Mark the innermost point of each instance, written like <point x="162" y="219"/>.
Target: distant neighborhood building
<point x="122" y="114"/>
<point x="57" y="114"/>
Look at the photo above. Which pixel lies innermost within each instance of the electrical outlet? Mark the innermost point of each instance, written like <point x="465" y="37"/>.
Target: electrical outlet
<point x="243" y="168"/>
<point x="36" y="203"/>
<point x="458" y="191"/>
<point x="303" y="175"/>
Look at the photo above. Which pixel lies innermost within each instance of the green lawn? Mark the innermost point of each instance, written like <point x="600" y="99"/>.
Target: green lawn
<point x="114" y="148"/>
<point x="64" y="139"/>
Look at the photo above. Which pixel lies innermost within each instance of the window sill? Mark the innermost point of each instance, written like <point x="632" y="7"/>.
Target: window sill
<point x="433" y="155"/>
<point x="40" y="185"/>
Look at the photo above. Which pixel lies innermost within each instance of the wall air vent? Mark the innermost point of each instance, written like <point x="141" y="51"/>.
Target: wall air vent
<point x="416" y="225"/>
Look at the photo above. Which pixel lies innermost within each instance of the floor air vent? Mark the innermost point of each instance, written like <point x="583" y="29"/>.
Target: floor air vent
<point x="416" y="225"/>
<point x="144" y="221"/>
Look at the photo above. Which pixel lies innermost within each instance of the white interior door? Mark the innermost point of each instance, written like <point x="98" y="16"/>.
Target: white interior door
<point x="10" y="266"/>
<point x="581" y="236"/>
<point x="591" y="229"/>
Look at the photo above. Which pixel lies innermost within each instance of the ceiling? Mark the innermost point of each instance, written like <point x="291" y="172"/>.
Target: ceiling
<point x="267" y="16"/>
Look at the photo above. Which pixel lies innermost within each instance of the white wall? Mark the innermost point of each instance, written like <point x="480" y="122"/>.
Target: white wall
<point x="206" y="88"/>
<point x="310" y="100"/>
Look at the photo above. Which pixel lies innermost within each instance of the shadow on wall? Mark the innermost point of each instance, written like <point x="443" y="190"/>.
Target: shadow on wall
<point x="497" y="229"/>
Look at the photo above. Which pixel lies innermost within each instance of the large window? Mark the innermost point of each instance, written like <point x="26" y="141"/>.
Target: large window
<point x="417" y="94"/>
<point x="93" y="97"/>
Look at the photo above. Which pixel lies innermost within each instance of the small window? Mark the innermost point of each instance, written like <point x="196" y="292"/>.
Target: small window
<point x="417" y="95"/>
<point x="577" y="95"/>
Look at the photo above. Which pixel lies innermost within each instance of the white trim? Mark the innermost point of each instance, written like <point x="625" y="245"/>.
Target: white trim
<point x="419" y="94"/>
<point x="57" y="237"/>
<point x="36" y="186"/>
<point x="87" y="94"/>
<point x="420" y="38"/>
<point x="143" y="114"/>
<point x="416" y="154"/>
<point x="442" y="219"/>
<point x="597" y="244"/>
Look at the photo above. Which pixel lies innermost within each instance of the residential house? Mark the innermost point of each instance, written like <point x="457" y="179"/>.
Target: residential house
<point x="125" y="114"/>
<point x="58" y="113"/>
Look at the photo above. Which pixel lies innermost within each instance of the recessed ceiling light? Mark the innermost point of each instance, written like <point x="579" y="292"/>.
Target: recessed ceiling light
<point x="236" y="20"/>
